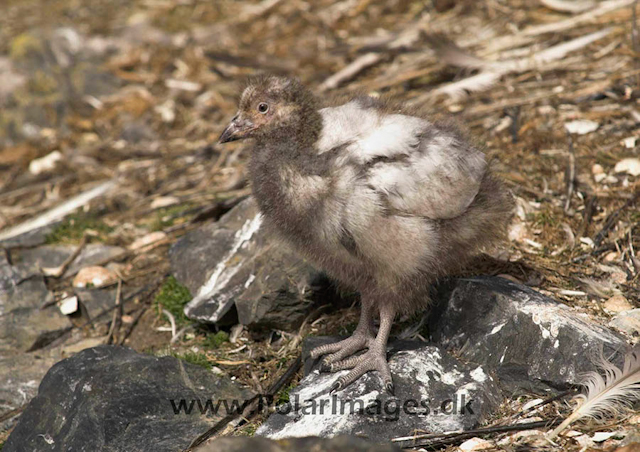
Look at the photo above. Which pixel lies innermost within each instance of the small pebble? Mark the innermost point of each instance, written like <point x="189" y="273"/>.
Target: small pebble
<point x="94" y="276"/>
<point x="629" y="166"/>
<point x="164" y="201"/>
<point x="45" y="164"/>
<point x="619" y="277"/>
<point x="599" y="177"/>
<point x="633" y="447"/>
<point x="627" y="321"/>
<point x="68" y="305"/>
<point x="475" y="444"/>
<point x="148" y="240"/>
<point x="598" y="437"/>
<point x="581" y="126"/>
<point x="611" y="256"/>
<point x="617" y="303"/>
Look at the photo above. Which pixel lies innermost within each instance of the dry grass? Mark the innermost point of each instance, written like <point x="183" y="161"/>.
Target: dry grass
<point x="576" y="234"/>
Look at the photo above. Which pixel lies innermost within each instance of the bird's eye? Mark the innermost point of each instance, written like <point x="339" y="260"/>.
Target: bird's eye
<point x="263" y="107"/>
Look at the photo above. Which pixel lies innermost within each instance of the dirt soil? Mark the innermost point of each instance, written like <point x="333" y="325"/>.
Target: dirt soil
<point x="553" y="96"/>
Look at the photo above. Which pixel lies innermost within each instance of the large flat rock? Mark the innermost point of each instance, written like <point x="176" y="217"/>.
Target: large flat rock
<point x="489" y="335"/>
<point x="113" y="398"/>
<point x="523" y="335"/>
<point x="20" y="376"/>
<point x="23" y="325"/>
<point x="239" y="274"/>
<point x="435" y="392"/>
<point x="341" y="443"/>
<point x="54" y="255"/>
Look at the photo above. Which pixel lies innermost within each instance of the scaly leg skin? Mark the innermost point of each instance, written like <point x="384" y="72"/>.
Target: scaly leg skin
<point x="362" y="338"/>
<point x="374" y="359"/>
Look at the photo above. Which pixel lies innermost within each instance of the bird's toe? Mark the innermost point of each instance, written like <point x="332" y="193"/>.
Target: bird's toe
<point x="360" y="365"/>
<point x="348" y="363"/>
<point x="341" y="349"/>
<point x="390" y="388"/>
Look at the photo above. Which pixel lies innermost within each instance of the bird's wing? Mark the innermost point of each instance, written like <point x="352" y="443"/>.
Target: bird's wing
<point x="369" y="133"/>
<point x="418" y="169"/>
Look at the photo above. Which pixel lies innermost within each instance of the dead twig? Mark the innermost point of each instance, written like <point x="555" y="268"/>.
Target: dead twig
<point x="587" y="17"/>
<point x="570" y="175"/>
<point x="249" y="407"/>
<point x="492" y="72"/>
<point x="565" y="6"/>
<point x="634" y="28"/>
<point x="172" y="320"/>
<point x="546" y="401"/>
<point x="612" y="219"/>
<point x="12" y="413"/>
<point x="58" y="212"/>
<point x="129" y="330"/>
<point x="441" y="440"/>
<point x="351" y="70"/>
<point x="181" y="332"/>
<point x="117" y="314"/>
<point x="405" y="39"/>
<point x="57" y="272"/>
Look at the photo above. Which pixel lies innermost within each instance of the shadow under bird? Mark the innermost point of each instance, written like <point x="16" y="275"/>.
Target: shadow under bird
<point x="379" y="197"/>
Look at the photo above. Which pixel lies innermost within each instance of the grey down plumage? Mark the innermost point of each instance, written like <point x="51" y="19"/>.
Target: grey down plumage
<point x="380" y="198"/>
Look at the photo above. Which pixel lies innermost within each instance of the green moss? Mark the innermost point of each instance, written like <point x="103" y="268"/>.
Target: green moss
<point x="42" y="83"/>
<point x="72" y="228"/>
<point x="24" y="44"/>
<point x="176" y="20"/>
<point x="283" y="396"/>
<point x="172" y="297"/>
<point x="545" y="218"/>
<point x="250" y="429"/>
<point x="168" y="216"/>
<point x="216" y="340"/>
<point x="199" y="359"/>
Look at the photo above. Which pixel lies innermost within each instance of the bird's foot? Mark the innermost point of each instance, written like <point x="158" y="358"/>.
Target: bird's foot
<point x="374" y="359"/>
<point x="340" y="350"/>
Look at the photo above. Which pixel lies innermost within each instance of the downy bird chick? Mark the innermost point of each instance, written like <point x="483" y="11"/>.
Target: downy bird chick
<point x="380" y="199"/>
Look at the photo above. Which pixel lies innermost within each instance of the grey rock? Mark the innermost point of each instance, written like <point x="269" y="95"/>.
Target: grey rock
<point x="56" y="69"/>
<point x="340" y="443"/>
<point x="33" y="238"/>
<point x="96" y="302"/>
<point x="54" y="255"/>
<point x="19" y="378"/>
<point x="113" y="398"/>
<point x="627" y="322"/>
<point x="525" y="336"/>
<point x="239" y="274"/>
<point x="23" y="325"/>
<point x="10" y="80"/>
<point x="137" y="131"/>
<point x="434" y="392"/>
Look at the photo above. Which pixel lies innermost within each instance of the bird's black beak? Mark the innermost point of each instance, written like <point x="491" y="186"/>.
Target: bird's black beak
<point x="237" y="129"/>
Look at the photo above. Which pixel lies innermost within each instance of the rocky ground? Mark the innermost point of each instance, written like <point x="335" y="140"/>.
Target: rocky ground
<point x="131" y="247"/>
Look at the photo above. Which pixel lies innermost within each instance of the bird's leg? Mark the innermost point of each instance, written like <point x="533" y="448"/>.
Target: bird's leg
<point x="374" y="359"/>
<point x="361" y="338"/>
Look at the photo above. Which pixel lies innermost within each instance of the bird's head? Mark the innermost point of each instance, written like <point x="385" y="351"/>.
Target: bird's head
<point x="270" y="106"/>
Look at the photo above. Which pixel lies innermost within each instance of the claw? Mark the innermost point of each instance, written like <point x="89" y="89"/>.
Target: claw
<point x="335" y="387"/>
<point x="391" y="389"/>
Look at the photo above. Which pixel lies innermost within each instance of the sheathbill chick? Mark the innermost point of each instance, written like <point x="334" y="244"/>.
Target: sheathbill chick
<point x="380" y="198"/>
